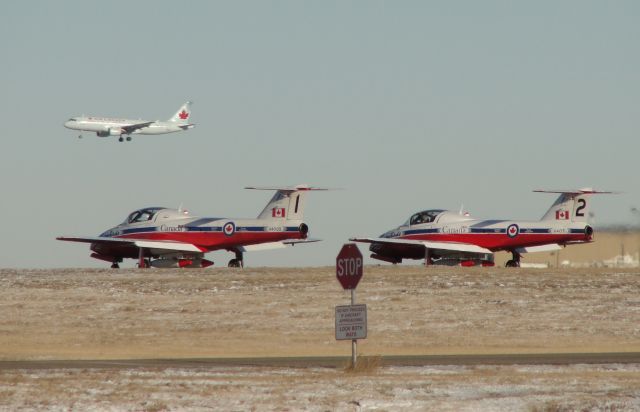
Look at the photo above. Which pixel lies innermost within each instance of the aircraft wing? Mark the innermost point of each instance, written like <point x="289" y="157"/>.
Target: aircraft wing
<point x="132" y="128"/>
<point x="275" y="245"/>
<point x="542" y="248"/>
<point x="454" y="246"/>
<point x="141" y="243"/>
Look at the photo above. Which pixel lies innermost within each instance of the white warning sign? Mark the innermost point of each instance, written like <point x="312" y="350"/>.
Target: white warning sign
<point x="351" y="322"/>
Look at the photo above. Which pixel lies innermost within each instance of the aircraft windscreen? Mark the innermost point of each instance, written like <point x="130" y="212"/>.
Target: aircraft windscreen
<point x="426" y="216"/>
<point x="142" y="215"/>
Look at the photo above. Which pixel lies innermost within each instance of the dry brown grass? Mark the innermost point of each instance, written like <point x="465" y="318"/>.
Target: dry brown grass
<point x="99" y="314"/>
<point x="93" y="314"/>
<point x="364" y="365"/>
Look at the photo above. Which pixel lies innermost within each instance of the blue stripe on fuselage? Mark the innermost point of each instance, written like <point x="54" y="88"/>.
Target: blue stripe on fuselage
<point x="476" y="230"/>
<point x="190" y="228"/>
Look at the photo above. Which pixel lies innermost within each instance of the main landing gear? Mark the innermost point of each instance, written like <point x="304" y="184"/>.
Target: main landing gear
<point x="515" y="260"/>
<point x="115" y="265"/>
<point x="238" y="262"/>
<point x="121" y="139"/>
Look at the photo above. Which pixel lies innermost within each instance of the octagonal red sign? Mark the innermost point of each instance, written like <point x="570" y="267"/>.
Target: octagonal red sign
<point x="349" y="266"/>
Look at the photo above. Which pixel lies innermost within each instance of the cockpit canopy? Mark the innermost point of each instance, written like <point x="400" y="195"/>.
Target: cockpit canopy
<point x="426" y="216"/>
<point x="142" y="215"/>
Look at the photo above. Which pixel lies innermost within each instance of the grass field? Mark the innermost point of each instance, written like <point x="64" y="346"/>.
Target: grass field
<point x="116" y="314"/>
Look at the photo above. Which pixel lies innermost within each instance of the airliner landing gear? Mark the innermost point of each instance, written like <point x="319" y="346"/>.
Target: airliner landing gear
<point x="120" y="139"/>
<point x="237" y="262"/>
<point x="515" y="261"/>
<point x="128" y="138"/>
<point x="115" y="265"/>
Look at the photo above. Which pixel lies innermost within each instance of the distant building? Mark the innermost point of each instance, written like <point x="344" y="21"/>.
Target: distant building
<point x="615" y="247"/>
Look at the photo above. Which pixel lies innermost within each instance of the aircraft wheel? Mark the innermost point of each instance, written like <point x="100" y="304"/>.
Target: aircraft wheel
<point x="115" y="266"/>
<point x="120" y="139"/>
<point x="128" y="138"/>
<point x="512" y="264"/>
<point x="234" y="263"/>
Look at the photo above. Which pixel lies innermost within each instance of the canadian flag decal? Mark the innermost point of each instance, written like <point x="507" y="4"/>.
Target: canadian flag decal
<point x="277" y="212"/>
<point x="562" y="214"/>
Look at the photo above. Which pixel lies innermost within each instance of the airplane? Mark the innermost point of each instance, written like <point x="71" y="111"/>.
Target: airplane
<point x="105" y="126"/>
<point x="455" y="238"/>
<point x="167" y="238"/>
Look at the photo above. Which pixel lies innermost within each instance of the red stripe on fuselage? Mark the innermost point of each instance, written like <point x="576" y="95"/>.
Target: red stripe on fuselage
<point x="500" y="241"/>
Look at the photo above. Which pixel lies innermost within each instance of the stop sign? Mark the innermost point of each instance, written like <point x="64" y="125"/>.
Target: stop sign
<point x="349" y="266"/>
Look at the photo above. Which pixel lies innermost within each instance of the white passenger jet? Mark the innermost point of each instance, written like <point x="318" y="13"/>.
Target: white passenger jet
<point x="106" y="126"/>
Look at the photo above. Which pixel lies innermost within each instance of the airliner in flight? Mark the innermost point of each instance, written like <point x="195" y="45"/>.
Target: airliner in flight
<point x="106" y="126"/>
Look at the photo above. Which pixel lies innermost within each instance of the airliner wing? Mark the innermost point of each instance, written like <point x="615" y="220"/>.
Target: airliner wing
<point x="132" y="128"/>
<point x="140" y="243"/>
<point x="453" y="246"/>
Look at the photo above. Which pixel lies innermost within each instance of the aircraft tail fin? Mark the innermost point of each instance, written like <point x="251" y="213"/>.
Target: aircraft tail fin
<point x="183" y="114"/>
<point x="287" y="203"/>
<point x="571" y="205"/>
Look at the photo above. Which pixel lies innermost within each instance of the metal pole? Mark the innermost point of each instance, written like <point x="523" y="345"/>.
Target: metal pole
<point x="354" y="342"/>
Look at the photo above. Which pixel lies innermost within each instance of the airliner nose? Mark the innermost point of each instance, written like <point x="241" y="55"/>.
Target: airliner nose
<point x="71" y="123"/>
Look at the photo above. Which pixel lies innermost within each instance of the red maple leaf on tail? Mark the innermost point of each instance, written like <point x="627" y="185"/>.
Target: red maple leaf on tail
<point x="183" y="115"/>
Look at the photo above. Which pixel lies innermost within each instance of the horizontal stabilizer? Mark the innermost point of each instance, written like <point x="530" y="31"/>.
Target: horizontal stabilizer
<point x="301" y="188"/>
<point x="586" y="191"/>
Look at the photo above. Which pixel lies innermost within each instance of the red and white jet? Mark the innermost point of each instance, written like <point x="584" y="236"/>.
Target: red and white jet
<point x="162" y="237"/>
<point x="449" y="237"/>
<point x="108" y="126"/>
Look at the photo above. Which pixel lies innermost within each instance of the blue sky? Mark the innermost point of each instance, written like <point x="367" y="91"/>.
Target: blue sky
<point x="406" y="105"/>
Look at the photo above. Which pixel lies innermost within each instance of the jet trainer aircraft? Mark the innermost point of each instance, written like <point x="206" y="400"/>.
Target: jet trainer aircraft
<point x="105" y="126"/>
<point x="447" y="237"/>
<point x="164" y="238"/>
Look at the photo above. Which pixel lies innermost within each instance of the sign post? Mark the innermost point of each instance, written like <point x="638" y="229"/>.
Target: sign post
<point x="351" y="321"/>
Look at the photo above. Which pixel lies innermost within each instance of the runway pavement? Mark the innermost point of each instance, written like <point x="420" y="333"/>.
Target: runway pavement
<point x="332" y="361"/>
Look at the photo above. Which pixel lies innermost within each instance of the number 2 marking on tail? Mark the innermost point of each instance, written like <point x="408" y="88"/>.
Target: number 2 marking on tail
<point x="580" y="209"/>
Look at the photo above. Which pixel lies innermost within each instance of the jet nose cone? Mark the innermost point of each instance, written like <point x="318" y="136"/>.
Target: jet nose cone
<point x="68" y="124"/>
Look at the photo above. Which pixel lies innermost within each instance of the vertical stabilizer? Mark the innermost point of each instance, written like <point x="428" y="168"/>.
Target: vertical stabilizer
<point x="287" y="203"/>
<point x="183" y="114"/>
<point x="571" y="205"/>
